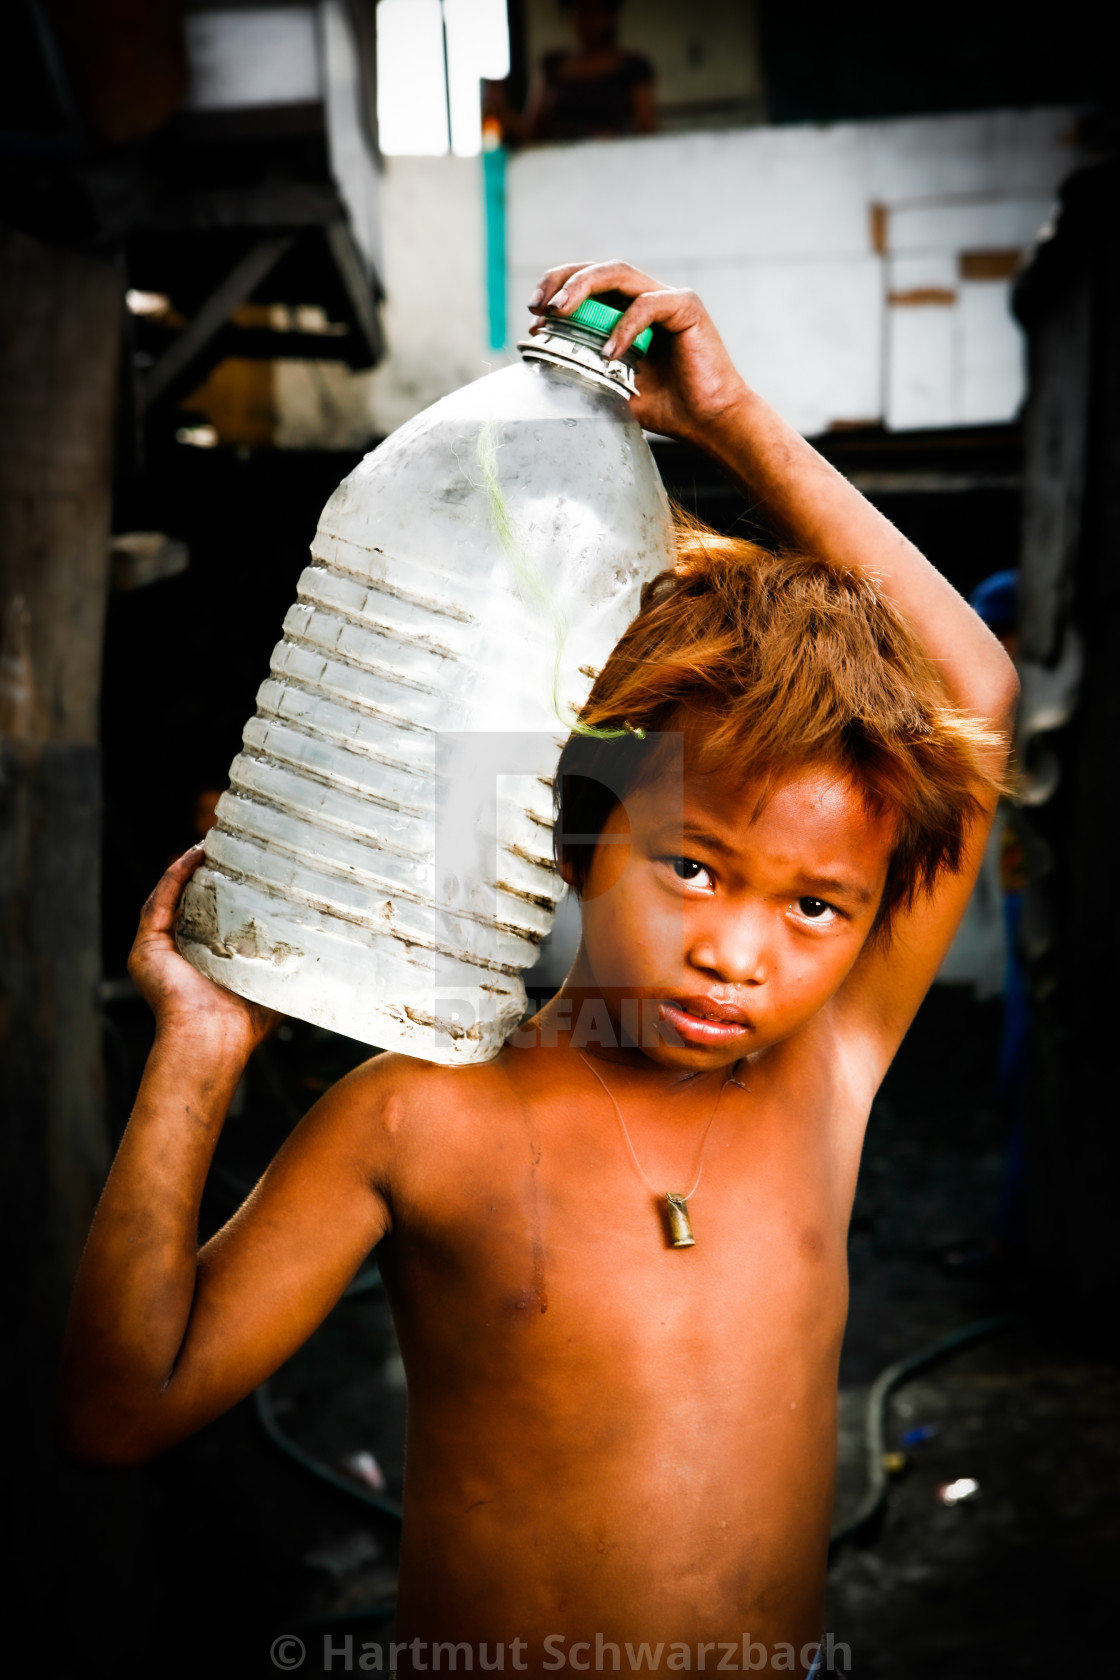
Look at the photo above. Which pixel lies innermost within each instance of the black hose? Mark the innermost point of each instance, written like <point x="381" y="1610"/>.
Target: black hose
<point x="262" y="1400"/>
<point x="881" y="1390"/>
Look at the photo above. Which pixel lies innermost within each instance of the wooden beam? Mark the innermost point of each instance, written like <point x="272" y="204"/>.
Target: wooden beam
<point x="239" y="284"/>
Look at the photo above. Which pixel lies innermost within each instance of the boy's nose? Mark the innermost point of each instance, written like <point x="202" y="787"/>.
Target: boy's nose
<point x="734" y="951"/>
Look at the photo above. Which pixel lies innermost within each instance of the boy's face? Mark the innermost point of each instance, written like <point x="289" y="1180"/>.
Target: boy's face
<point x="716" y="908"/>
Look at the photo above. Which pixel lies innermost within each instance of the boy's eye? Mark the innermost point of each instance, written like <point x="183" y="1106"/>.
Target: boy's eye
<point x="687" y="869"/>
<point x="813" y="908"/>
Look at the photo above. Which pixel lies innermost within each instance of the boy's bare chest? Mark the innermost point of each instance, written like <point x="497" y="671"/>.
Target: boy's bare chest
<point x="543" y="1233"/>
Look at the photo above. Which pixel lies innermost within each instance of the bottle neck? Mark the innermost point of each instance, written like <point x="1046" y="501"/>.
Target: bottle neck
<point x="578" y="349"/>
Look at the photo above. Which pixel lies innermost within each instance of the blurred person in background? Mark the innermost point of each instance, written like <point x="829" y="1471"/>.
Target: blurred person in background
<point x="593" y="91"/>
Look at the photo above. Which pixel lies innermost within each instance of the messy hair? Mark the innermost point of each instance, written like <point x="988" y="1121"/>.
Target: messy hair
<point x="769" y="663"/>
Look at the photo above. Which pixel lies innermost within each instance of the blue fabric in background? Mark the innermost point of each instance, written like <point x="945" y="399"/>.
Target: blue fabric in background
<point x="996" y="601"/>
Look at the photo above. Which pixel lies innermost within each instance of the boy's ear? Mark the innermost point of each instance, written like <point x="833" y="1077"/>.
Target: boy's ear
<point x="567" y="873"/>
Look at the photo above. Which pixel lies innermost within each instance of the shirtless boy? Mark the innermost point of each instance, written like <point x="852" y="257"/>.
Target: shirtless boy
<point x="612" y="1441"/>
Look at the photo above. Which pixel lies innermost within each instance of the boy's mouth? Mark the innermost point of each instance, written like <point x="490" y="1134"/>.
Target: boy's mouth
<point x="703" y="1021"/>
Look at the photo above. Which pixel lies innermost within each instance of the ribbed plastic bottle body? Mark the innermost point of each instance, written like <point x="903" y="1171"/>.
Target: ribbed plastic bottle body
<point x="381" y="864"/>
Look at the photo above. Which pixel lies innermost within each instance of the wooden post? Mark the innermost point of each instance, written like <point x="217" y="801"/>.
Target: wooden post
<point x="60" y="315"/>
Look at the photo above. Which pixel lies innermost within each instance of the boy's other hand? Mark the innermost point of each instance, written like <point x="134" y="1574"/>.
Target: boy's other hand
<point x="179" y="996"/>
<point x="687" y="381"/>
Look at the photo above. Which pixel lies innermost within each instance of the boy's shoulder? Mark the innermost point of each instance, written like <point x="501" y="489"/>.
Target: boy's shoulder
<point x="410" y="1129"/>
<point x="399" y="1094"/>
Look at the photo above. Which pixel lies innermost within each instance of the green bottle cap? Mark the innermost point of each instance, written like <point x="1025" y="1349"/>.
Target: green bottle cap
<point x="601" y="318"/>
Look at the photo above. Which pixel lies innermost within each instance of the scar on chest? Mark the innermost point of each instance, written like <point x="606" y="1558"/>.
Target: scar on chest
<point x="533" y="1299"/>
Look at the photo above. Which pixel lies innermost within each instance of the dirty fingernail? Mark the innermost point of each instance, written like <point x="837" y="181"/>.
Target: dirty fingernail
<point x="559" y="299"/>
<point x="609" y="349"/>
<point x="536" y="297"/>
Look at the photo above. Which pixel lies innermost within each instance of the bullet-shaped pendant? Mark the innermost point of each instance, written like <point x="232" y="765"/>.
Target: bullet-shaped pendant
<point x="680" y="1226"/>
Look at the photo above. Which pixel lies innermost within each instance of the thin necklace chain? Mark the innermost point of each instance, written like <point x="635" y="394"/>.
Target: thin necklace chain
<point x="629" y="1144"/>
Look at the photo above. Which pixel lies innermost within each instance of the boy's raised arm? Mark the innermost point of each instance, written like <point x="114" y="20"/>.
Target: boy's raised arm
<point x="690" y="389"/>
<point x="163" y="1338"/>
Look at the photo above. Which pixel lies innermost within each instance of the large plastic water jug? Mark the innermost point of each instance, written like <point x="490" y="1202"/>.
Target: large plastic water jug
<point x="381" y="863"/>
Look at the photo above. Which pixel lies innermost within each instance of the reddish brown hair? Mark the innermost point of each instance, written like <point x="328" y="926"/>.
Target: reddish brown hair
<point x="768" y="663"/>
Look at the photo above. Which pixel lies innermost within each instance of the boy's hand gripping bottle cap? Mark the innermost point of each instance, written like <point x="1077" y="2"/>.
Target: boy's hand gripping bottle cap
<point x="602" y="318"/>
<point x="576" y="342"/>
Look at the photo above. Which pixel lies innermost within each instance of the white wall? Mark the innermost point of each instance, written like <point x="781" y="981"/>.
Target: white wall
<point x="435" y="322"/>
<point x="777" y="229"/>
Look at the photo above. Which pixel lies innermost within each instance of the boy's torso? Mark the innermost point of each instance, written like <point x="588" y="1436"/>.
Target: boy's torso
<point x="607" y="1435"/>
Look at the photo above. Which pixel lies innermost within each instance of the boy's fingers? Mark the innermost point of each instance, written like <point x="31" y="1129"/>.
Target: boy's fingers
<point x="563" y="289"/>
<point x="669" y="308"/>
<point x="550" y="283"/>
<point x="158" y="914"/>
<point x="613" y="276"/>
